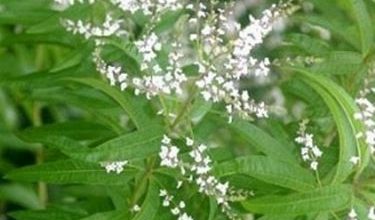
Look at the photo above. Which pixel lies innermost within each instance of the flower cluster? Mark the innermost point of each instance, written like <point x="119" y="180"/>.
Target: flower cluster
<point x="221" y="49"/>
<point x="197" y="171"/>
<point x="148" y="7"/>
<point x="64" y="4"/>
<point x="178" y="209"/>
<point x="114" y="166"/>
<point x="222" y="71"/>
<point x="110" y="27"/>
<point x="310" y="152"/>
<point x="169" y="153"/>
<point x="366" y="115"/>
<point x="150" y="85"/>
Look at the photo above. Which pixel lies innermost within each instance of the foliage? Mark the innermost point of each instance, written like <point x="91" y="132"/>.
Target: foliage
<point x="66" y="130"/>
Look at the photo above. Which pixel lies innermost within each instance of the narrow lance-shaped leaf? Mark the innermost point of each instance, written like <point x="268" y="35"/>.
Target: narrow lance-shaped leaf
<point x="262" y="141"/>
<point x="331" y="198"/>
<point x="111" y="215"/>
<point x="150" y="205"/>
<point x="342" y="108"/>
<point x="45" y="215"/>
<point x="269" y="170"/>
<point x="71" y="171"/>
<point x="135" y="112"/>
<point x="135" y="145"/>
<point x="364" y="24"/>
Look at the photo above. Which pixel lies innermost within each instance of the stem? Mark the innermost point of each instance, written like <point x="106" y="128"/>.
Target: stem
<point x="39" y="154"/>
<point x="318" y="178"/>
<point x="182" y="112"/>
<point x="335" y="216"/>
<point x="139" y="190"/>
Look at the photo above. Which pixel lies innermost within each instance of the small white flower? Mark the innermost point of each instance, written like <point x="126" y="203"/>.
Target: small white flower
<point x="352" y="215"/>
<point x="314" y="165"/>
<point x="115" y="166"/>
<point x="189" y="142"/>
<point x="309" y="152"/>
<point x="168" y="156"/>
<point x="135" y="208"/>
<point x="166" y="140"/>
<point x="371" y="213"/>
<point x="185" y="217"/>
<point x="175" y="211"/>
<point x="179" y="184"/>
<point x="355" y="160"/>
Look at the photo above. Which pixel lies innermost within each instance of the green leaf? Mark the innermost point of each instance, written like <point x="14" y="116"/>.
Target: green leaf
<point x="309" y="44"/>
<point x="71" y="171"/>
<point x="342" y="108"/>
<point x="332" y="198"/>
<point x="150" y="205"/>
<point x="79" y="130"/>
<point x="336" y="27"/>
<point x="168" y="20"/>
<point x="135" y="145"/>
<point x="364" y="25"/>
<point x="262" y="141"/>
<point x="269" y="170"/>
<point x="20" y="195"/>
<point x="72" y="148"/>
<point x="112" y="215"/>
<point x="134" y="111"/>
<point x="340" y="63"/>
<point x="45" y="215"/>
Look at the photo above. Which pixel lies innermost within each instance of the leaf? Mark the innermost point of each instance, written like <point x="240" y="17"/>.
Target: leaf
<point x="58" y="38"/>
<point x="45" y="215"/>
<point x="262" y="141"/>
<point x="364" y="25"/>
<point x="135" y="145"/>
<point x="167" y="21"/>
<point x="71" y="171"/>
<point x="112" y="215"/>
<point x="72" y="148"/>
<point x="336" y="27"/>
<point x="342" y="108"/>
<point x="150" y="205"/>
<point x="309" y="44"/>
<point x="269" y="170"/>
<point x="199" y="110"/>
<point x="137" y="114"/>
<point x="340" y="63"/>
<point x="79" y="130"/>
<point x="331" y="198"/>
<point x="20" y="195"/>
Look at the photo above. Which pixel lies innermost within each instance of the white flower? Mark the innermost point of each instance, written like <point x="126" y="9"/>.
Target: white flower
<point x="352" y="215"/>
<point x="371" y="213"/>
<point x="109" y="27"/>
<point x="114" y="166"/>
<point x="148" y="47"/>
<point x="185" y="217"/>
<point x="309" y="152"/>
<point x="168" y="156"/>
<point x="366" y="115"/>
<point x="135" y="208"/>
<point x="175" y="211"/>
<point x="189" y="142"/>
<point x="355" y="160"/>
<point x="166" y="140"/>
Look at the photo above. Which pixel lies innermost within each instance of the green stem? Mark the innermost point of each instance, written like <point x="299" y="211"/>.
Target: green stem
<point x="141" y="186"/>
<point x="39" y="155"/>
<point x="182" y="112"/>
